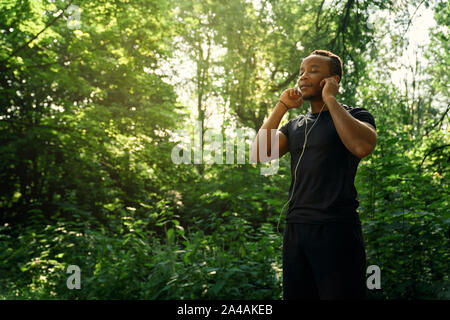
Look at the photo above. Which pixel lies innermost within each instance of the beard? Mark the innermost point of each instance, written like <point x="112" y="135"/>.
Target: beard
<point x="309" y="97"/>
<point x="312" y="96"/>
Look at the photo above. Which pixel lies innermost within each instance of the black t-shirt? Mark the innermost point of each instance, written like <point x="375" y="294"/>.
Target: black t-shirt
<point x="325" y="186"/>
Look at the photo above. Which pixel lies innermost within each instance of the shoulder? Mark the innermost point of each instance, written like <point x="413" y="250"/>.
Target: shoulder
<point x="361" y="114"/>
<point x="290" y="125"/>
<point x="294" y="120"/>
<point x="355" y="110"/>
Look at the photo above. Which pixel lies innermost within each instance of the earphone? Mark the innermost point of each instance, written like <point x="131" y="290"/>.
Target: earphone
<point x="303" y="150"/>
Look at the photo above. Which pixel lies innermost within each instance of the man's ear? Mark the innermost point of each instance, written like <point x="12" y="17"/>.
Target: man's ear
<point x="338" y="79"/>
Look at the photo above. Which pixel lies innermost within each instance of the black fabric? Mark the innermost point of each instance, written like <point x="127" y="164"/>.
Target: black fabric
<point x="323" y="261"/>
<point x="324" y="189"/>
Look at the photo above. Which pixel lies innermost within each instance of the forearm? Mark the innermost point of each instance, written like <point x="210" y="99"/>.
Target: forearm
<point x="357" y="137"/>
<point x="271" y="123"/>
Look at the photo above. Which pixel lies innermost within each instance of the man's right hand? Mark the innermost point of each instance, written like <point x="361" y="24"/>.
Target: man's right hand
<point x="292" y="98"/>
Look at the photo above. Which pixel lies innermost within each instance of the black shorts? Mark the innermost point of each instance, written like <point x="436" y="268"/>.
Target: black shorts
<point x="323" y="261"/>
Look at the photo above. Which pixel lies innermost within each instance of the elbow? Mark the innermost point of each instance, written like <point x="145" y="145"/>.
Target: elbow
<point x="362" y="154"/>
<point x="365" y="147"/>
<point x="363" y="150"/>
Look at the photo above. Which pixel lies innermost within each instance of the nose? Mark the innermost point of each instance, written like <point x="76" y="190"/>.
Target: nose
<point x="302" y="77"/>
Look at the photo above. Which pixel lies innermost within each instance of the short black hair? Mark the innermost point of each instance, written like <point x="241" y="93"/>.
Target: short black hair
<point x="335" y="61"/>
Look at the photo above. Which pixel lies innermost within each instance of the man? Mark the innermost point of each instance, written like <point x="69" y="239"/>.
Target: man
<point x="323" y="248"/>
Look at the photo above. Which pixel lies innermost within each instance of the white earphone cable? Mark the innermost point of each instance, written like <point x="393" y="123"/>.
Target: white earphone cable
<point x="301" y="155"/>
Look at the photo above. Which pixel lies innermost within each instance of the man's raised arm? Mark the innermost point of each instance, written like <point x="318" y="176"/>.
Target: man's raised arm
<point x="262" y="152"/>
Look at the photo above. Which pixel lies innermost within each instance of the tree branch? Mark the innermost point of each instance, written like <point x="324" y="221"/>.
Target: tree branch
<point x="431" y="151"/>
<point x="342" y="23"/>
<point x="437" y="123"/>
<point x="318" y="15"/>
<point x="409" y="22"/>
<point x="283" y="84"/>
<point x="17" y="50"/>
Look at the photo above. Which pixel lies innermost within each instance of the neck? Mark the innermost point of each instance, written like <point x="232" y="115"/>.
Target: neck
<point x="316" y="105"/>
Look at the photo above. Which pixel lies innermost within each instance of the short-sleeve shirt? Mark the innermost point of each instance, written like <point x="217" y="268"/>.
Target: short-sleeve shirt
<point x="324" y="186"/>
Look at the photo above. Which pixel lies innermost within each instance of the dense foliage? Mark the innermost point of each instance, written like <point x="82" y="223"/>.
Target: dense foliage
<point x="91" y="99"/>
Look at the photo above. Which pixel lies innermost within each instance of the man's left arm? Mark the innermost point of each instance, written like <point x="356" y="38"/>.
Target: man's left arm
<point x="358" y="137"/>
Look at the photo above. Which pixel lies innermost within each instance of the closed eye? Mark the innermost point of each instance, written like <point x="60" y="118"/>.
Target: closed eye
<point x="313" y="71"/>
